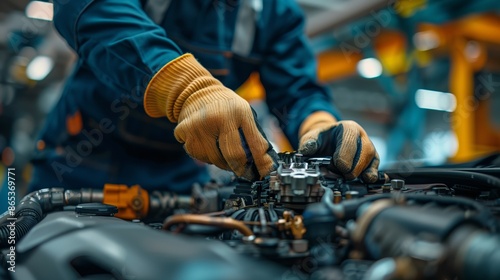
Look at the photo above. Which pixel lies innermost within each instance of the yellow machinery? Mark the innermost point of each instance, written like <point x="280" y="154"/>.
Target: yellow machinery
<point x="469" y="42"/>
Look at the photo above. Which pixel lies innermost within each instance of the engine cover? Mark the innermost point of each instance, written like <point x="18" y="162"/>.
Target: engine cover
<point x="69" y="246"/>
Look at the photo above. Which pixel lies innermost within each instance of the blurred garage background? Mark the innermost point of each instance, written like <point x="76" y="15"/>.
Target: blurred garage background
<point x="421" y="76"/>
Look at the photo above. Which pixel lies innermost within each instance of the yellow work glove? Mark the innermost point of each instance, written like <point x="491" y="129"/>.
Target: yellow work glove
<point x="215" y="125"/>
<point x="353" y="153"/>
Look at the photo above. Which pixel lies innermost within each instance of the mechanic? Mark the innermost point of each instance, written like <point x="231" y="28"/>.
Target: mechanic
<point x="151" y="96"/>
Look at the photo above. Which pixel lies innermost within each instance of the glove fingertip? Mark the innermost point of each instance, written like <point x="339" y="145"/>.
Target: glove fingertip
<point x="271" y="163"/>
<point x="179" y="134"/>
<point x="252" y="172"/>
<point x="370" y="176"/>
<point x="309" y="148"/>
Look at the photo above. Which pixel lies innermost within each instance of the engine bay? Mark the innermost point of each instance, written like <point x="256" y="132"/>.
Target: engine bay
<point x="301" y="222"/>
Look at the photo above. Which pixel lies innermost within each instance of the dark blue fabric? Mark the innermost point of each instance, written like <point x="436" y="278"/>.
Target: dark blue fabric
<point x="120" y="48"/>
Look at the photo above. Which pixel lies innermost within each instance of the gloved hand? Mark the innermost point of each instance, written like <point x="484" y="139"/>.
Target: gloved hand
<point x="214" y="123"/>
<point x="353" y="153"/>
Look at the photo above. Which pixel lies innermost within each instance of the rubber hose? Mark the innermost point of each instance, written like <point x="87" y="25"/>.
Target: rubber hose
<point x="28" y="215"/>
<point x="23" y="225"/>
<point x="351" y="206"/>
<point x="6" y="214"/>
<point x="448" y="176"/>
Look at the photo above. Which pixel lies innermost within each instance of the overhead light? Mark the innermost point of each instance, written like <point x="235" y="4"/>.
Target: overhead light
<point x="369" y="68"/>
<point x="39" y="68"/>
<point x="435" y="100"/>
<point x="425" y="40"/>
<point x="40" y="10"/>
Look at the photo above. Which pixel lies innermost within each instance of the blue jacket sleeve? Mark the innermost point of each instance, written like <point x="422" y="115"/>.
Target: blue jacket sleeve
<point x="289" y="70"/>
<point x="116" y="40"/>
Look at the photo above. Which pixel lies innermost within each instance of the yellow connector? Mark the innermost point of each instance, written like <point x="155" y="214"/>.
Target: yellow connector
<point x="132" y="203"/>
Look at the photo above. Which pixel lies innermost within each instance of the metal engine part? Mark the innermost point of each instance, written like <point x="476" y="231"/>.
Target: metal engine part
<point x="301" y="222"/>
<point x="296" y="183"/>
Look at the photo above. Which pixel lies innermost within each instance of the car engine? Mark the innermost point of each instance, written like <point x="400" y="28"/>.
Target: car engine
<point x="301" y="222"/>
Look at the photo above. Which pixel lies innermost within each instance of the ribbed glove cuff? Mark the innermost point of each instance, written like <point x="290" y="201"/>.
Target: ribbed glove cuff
<point x="169" y="89"/>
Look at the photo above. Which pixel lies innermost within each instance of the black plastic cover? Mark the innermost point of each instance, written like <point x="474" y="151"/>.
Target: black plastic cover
<point x="97" y="209"/>
<point x="69" y="246"/>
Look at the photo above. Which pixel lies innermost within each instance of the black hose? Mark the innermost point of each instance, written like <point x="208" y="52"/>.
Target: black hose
<point x="34" y="205"/>
<point x="350" y="207"/>
<point x="43" y="197"/>
<point x="28" y="214"/>
<point x="22" y="226"/>
<point x="447" y="176"/>
<point x="492" y="171"/>
<point x="5" y="215"/>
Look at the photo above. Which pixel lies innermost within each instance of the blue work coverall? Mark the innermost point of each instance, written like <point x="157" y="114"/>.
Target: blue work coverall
<point x="99" y="133"/>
